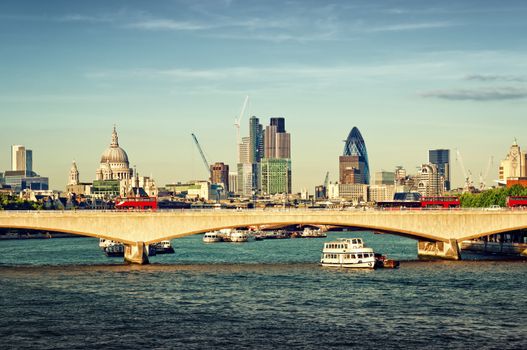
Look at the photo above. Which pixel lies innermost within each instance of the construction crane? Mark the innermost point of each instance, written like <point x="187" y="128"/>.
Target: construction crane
<point x="483" y="176"/>
<point x="205" y="163"/>
<point x="467" y="175"/>
<point x="237" y="121"/>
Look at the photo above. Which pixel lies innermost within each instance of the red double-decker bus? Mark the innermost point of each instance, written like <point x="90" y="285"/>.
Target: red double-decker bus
<point x="440" y="202"/>
<point x="516" y="201"/>
<point x="139" y="203"/>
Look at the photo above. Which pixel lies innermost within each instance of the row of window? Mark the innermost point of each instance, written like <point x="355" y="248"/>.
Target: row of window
<point x="349" y="256"/>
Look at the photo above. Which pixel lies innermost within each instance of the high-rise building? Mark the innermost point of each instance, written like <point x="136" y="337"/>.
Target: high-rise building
<point x="275" y="167"/>
<point x="275" y="175"/>
<point x="355" y="146"/>
<point x="18" y="158"/>
<point x="441" y="158"/>
<point x="277" y="141"/>
<point x="219" y="174"/>
<point x="349" y="170"/>
<point x="233" y="181"/>
<point x="29" y="161"/>
<point x="279" y="123"/>
<point x="255" y="140"/>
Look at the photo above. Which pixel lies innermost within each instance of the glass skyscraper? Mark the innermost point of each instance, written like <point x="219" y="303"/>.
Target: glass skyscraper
<point x="441" y="158"/>
<point x="355" y="152"/>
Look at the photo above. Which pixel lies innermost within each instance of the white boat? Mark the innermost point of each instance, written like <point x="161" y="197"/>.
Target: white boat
<point x="311" y="233"/>
<point x="212" y="237"/>
<point x="164" y="247"/>
<point x="236" y="236"/>
<point x="104" y="243"/>
<point x="347" y="252"/>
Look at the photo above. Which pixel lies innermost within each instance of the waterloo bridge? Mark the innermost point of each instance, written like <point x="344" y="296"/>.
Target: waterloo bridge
<point x="438" y="232"/>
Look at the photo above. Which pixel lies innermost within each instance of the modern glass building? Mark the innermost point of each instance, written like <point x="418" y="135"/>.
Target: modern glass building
<point x="275" y="175"/>
<point x="441" y="158"/>
<point x="355" y="146"/>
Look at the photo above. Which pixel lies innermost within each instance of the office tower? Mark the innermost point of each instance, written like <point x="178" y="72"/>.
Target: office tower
<point x="18" y="158"/>
<point x="244" y="150"/>
<point x="29" y="161"/>
<point x="355" y="147"/>
<point x="219" y="174"/>
<point x="441" y="158"/>
<point x="256" y="140"/>
<point x="233" y="181"/>
<point x="384" y="178"/>
<point x="279" y="123"/>
<point x="277" y="140"/>
<point x="350" y="170"/>
<point x="275" y="167"/>
<point x="275" y="175"/>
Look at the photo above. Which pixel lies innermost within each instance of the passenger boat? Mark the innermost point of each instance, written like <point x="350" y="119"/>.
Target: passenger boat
<point x="310" y="233"/>
<point x="114" y="249"/>
<point x="163" y="247"/>
<point x="212" y="237"/>
<point x="348" y="252"/>
<point x="237" y="236"/>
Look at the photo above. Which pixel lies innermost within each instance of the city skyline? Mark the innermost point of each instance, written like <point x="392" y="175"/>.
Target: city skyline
<point x="412" y="77"/>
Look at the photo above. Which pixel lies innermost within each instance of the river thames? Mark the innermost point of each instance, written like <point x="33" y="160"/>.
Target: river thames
<point x="65" y="294"/>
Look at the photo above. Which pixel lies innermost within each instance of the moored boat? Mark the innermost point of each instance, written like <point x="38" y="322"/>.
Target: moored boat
<point x="212" y="237"/>
<point x="114" y="249"/>
<point x="311" y="233"/>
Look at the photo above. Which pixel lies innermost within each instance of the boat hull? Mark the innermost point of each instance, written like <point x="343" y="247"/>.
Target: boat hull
<point x="361" y="265"/>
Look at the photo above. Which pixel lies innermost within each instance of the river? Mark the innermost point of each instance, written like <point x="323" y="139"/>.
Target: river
<point x="65" y="294"/>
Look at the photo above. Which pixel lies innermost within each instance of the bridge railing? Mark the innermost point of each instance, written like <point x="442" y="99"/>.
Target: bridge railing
<point x="267" y="210"/>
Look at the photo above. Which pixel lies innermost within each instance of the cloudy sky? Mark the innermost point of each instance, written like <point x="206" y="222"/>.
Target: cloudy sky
<point x="411" y="75"/>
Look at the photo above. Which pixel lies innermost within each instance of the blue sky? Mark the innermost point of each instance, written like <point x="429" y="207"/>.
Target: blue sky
<point x="411" y="75"/>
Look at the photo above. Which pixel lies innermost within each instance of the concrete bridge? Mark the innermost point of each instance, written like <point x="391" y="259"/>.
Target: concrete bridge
<point x="438" y="232"/>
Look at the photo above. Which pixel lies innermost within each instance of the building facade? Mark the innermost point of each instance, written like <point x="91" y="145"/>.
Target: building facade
<point x="275" y="176"/>
<point x="384" y="178"/>
<point x="514" y="164"/>
<point x="429" y="181"/>
<point x="114" y="164"/>
<point x="356" y="147"/>
<point x="441" y="158"/>
<point x="219" y="174"/>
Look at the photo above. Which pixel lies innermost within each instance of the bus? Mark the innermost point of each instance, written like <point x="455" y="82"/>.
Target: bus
<point x="516" y="201"/>
<point x="440" y="202"/>
<point x="136" y="203"/>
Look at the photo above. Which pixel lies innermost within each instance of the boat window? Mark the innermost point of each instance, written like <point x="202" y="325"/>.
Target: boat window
<point x="359" y="256"/>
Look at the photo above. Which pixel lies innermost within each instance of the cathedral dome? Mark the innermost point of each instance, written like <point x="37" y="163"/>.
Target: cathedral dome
<point x="114" y="154"/>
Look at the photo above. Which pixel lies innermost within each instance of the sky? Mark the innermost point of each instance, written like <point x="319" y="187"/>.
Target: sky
<point x="411" y="75"/>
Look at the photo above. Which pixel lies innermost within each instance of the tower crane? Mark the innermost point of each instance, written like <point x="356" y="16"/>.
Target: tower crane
<point x="467" y="175"/>
<point x="237" y="121"/>
<point x="483" y="176"/>
<point x="206" y="164"/>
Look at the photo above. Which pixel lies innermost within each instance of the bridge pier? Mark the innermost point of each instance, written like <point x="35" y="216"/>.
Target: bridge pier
<point x="439" y="250"/>
<point x="136" y="253"/>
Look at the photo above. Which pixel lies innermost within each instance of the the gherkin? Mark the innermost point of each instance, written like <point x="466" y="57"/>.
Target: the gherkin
<point x="355" y="146"/>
